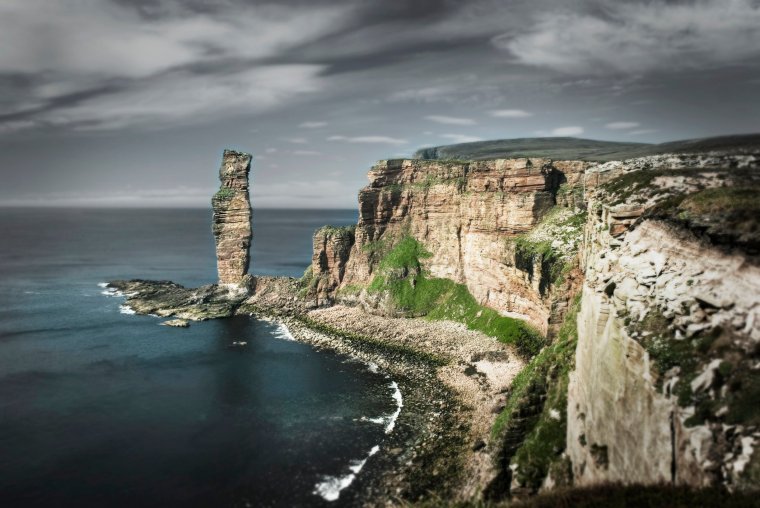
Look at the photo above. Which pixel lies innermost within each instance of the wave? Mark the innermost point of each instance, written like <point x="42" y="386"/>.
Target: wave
<point x="126" y="309"/>
<point x="399" y="404"/>
<point x="389" y="420"/>
<point x="282" y="332"/>
<point x="330" y="487"/>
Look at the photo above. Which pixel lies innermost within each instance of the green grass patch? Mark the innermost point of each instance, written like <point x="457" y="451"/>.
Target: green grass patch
<point x="414" y="292"/>
<point x="307" y="283"/>
<point x="336" y="231"/>
<point x="722" y="200"/>
<point x="224" y="194"/>
<point x="535" y="415"/>
<point x="555" y="263"/>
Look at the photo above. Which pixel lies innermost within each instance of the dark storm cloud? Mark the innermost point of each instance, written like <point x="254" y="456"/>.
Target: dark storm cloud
<point x="141" y="76"/>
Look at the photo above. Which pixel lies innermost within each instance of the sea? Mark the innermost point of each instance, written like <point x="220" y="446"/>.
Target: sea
<point x="101" y="407"/>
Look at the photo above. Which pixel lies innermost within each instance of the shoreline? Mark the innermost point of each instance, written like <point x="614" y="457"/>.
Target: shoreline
<point x="444" y="449"/>
<point x="453" y="380"/>
<point x="416" y="443"/>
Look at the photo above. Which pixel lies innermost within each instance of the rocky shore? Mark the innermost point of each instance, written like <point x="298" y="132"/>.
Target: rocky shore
<point x="453" y="380"/>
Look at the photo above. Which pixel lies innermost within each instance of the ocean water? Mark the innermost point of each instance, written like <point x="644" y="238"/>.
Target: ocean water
<point x="103" y="408"/>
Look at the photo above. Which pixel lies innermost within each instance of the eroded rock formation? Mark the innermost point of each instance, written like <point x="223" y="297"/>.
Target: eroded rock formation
<point x="232" y="218"/>
<point x="666" y="366"/>
<point x="668" y="332"/>
<point x="464" y="213"/>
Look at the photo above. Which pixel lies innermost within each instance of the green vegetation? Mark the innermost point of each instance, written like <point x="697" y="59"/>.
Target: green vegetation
<point x="543" y="445"/>
<point x="612" y="495"/>
<point x="528" y="252"/>
<point x="414" y="292"/>
<point x="650" y="496"/>
<point x="584" y="149"/>
<point x="224" y="194"/>
<point x="721" y="200"/>
<point x="535" y="415"/>
<point x="333" y="231"/>
<point x="426" y="183"/>
<point x="729" y="216"/>
<point x="537" y="247"/>
<point x="350" y="290"/>
<point x="691" y="355"/>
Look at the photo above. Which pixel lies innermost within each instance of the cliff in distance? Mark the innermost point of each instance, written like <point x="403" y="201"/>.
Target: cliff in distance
<point x="631" y="288"/>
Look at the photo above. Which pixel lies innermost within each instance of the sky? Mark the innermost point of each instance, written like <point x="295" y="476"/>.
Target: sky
<point x="131" y="102"/>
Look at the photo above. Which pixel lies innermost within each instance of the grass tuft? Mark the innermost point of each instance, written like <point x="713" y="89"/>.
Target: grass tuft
<point x="414" y="292"/>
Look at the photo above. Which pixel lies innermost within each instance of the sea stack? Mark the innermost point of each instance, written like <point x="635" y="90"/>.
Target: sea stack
<point x="232" y="218"/>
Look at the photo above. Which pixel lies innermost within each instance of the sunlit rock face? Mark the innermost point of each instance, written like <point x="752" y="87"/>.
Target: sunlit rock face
<point x="232" y="218"/>
<point x="464" y="213"/>
<point x="665" y="386"/>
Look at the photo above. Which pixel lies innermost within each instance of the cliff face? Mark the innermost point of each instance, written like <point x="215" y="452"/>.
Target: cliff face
<point x="232" y="218"/>
<point x="666" y="383"/>
<point x="464" y="214"/>
<point x="655" y="378"/>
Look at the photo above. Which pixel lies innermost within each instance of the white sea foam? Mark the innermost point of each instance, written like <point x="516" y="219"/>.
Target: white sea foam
<point x="126" y="309"/>
<point x="103" y="284"/>
<point x="399" y="404"/>
<point x="110" y="291"/>
<point x="282" y="332"/>
<point x="373" y="367"/>
<point x="389" y="420"/>
<point x="378" y="420"/>
<point x="331" y="486"/>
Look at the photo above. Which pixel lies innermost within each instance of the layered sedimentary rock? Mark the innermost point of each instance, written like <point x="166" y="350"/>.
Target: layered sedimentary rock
<point x="332" y="247"/>
<point x="666" y="380"/>
<point x="232" y="218"/>
<point x="463" y="213"/>
<point x="668" y="333"/>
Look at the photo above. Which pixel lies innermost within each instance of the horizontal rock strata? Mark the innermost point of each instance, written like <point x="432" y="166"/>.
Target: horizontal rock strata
<point x="232" y="218"/>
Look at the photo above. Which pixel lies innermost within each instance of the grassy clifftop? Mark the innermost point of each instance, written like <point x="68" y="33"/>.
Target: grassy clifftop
<point x="585" y="149"/>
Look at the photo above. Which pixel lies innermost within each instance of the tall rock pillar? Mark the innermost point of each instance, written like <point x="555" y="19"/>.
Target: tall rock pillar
<point x="232" y="218"/>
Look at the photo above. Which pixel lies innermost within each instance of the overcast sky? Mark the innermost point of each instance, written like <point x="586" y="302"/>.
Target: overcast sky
<point x="130" y="102"/>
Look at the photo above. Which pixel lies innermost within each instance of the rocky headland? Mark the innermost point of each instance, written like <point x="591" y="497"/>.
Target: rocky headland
<point x="552" y="324"/>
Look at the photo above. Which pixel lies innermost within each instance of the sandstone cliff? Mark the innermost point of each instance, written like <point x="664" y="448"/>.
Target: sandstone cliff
<point x="464" y="213"/>
<point x="232" y="218"/>
<point x="653" y="377"/>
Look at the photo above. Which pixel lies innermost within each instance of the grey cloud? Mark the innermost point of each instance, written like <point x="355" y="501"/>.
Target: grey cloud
<point x="450" y="120"/>
<point x="622" y="125"/>
<point x="97" y="64"/>
<point x="383" y="140"/>
<point x="640" y="37"/>
<point x="460" y="138"/>
<point x="159" y="87"/>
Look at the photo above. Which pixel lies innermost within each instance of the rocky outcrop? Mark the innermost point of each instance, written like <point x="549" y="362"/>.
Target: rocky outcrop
<point x="332" y="247"/>
<point x="167" y="299"/>
<point x="232" y="218"/>
<point x="464" y="214"/>
<point x="669" y="331"/>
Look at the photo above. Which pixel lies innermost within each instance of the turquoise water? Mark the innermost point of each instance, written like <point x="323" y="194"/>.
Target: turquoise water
<point x="102" y="408"/>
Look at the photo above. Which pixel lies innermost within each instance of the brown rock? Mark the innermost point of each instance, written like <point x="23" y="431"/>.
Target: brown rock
<point x="463" y="213"/>
<point x="232" y="218"/>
